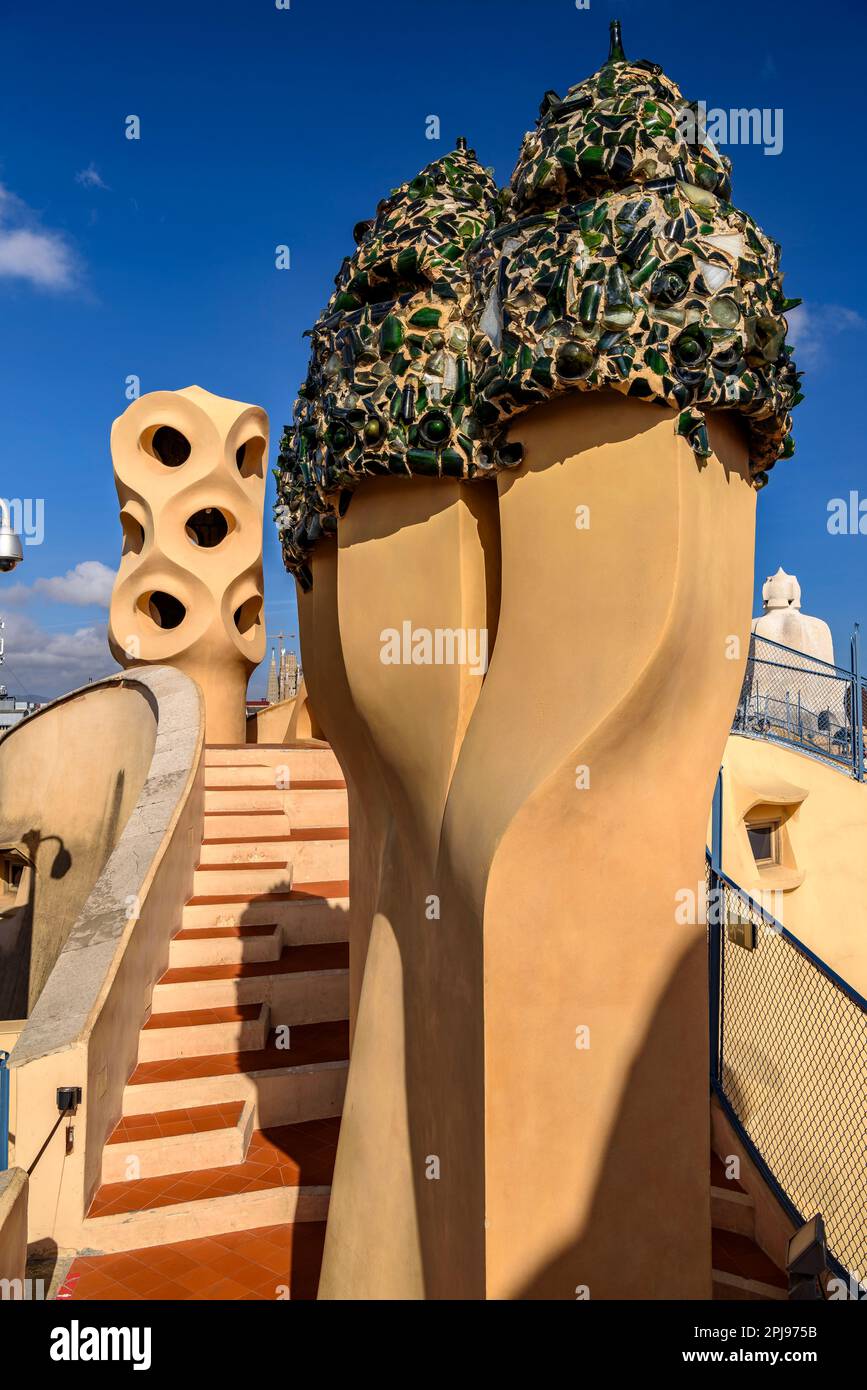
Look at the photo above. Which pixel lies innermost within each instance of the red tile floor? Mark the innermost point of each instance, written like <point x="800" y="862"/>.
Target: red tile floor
<point x="137" y="1128"/>
<point x="737" y="1254"/>
<point x="286" y="1156"/>
<point x="272" y="1262"/>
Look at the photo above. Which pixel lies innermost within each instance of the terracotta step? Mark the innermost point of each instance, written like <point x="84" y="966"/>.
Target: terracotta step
<point x="305" y="1081"/>
<point x="246" y="798"/>
<point x="315" y="912"/>
<point x="316" y="804"/>
<point x="215" y="833"/>
<point x="202" y="1030"/>
<point x="305" y="803"/>
<point x="285" y="1176"/>
<point x="308" y="984"/>
<point x="267" y="876"/>
<point x="227" y="824"/>
<point x="742" y="1271"/>
<point x="225" y="945"/>
<point x="731" y="1207"/>
<point x="175" y="1140"/>
<point x="262" y="1264"/>
<point x="309" y="760"/>
<point x="245" y="775"/>
<point x="311" y="857"/>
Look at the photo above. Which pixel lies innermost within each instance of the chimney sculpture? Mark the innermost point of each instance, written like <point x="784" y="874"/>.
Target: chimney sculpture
<point x="519" y="500"/>
<point x="190" y="475"/>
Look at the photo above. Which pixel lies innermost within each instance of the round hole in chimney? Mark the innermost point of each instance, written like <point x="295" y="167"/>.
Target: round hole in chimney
<point x="208" y="527"/>
<point x="250" y="457"/>
<point x="247" y="615"/>
<point x="133" y="534"/>
<point x="170" y="446"/>
<point x="164" y="609"/>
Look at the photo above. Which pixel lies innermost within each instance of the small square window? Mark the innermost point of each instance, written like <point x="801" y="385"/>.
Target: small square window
<point x="11" y="870"/>
<point x="763" y="842"/>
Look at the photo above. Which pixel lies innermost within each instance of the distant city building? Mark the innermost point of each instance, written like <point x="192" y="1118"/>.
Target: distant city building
<point x="289" y="675"/>
<point x="284" y="676"/>
<point x="272" y="693"/>
<point x="12" y="711"/>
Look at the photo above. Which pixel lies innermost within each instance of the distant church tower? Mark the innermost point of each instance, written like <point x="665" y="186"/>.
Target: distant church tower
<point x="288" y="683"/>
<point x="272" y="695"/>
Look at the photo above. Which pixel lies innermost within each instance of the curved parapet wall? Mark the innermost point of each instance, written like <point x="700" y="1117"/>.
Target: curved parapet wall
<point x="62" y="811"/>
<point x="13" y="1225"/>
<point x="84" y="1030"/>
<point x="287" y="721"/>
<point x="190" y="474"/>
<point x="816" y="880"/>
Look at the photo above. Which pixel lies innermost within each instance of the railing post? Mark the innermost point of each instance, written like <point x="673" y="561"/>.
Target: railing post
<point x="4" y="1111"/>
<point x="857" y="709"/>
<point x="714" y="929"/>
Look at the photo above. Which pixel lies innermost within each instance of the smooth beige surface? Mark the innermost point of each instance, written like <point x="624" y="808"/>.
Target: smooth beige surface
<point x="69" y="778"/>
<point x="325" y="683"/>
<point x="418" y="1019"/>
<point x="285" y="722"/>
<point x="13" y="1225"/>
<point x="304" y="722"/>
<point x="481" y="1153"/>
<point x="824" y="813"/>
<point x="84" y="1030"/>
<point x="221" y="638"/>
<point x="10" y="1030"/>
<point x="271" y="725"/>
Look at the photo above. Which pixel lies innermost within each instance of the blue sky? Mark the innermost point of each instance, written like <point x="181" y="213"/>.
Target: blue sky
<point x="262" y="126"/>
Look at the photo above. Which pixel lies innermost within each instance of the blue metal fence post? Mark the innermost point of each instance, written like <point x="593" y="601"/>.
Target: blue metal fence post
<point x="4" y="1111"/>
<point x="857" y="708"/>
<point x="716" y="828"/>
<point x="714" y="927"/>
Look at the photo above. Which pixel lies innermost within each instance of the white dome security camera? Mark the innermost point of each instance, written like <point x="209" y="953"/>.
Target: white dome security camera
<point x="11" y="553"/>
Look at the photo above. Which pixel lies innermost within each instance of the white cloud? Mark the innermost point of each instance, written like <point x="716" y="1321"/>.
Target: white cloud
<point x="90" y="177"/>
<point x="813" y="326"/>
<point x="42" y="664"/>
<point x="88" y="582"/>
<point x="13" y="595"/>
<point x="31" y="252"/>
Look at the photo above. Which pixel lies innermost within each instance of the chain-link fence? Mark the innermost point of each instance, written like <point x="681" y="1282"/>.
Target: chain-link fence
<point x="790" y="1059"/>
<point x="797" y="699"/>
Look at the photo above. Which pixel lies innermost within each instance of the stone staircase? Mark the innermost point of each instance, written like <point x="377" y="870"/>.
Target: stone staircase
<point x="230" y="1118"/>
<point x="741" y="1269"/>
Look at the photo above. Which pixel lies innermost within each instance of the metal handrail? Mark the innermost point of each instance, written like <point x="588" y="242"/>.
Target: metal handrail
<point x="841" y="671"/>
<point x="838" y="697"/>
<point x="718" y="881"/>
